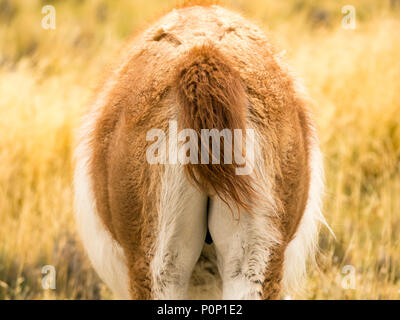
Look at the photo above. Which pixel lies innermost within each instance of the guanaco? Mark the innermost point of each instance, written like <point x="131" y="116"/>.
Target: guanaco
<point x="144" y="224"/>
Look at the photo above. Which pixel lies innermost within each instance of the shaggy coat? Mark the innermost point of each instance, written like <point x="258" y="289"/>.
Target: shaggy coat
<point x="144" y="225"/>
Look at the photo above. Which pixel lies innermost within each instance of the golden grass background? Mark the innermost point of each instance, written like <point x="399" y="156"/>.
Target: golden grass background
<point x="46" y="80"/>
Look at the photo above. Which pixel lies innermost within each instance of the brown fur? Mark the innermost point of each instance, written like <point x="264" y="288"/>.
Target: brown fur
<point x="224" y="85"/>
<point x="210" y="94"/>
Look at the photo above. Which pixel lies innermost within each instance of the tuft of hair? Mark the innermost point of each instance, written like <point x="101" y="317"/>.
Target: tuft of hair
<point x="211" y="95"/>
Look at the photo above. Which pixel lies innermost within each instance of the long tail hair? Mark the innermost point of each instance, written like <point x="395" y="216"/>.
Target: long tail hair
<point x="211" y="95"/>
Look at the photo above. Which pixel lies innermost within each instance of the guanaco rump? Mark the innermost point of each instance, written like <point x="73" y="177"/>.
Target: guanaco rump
<point x="144" y="224"/>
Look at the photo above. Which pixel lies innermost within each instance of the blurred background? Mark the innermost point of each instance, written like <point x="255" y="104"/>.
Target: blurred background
<point x="47" y="77"/>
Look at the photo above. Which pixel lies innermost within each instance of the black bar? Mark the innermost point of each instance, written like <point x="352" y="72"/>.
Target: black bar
<point x="203" y="309"/>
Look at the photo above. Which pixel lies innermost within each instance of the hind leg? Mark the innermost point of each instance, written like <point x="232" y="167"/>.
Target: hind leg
<point x="163" y="243"/>
<point x="249" y="252"/>
<point x="181" y="232"/>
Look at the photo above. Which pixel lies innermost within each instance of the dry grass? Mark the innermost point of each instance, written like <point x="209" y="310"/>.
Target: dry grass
<point x="46" y="78"/>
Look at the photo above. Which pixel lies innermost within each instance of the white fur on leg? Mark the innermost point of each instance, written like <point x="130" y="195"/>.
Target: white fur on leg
<point x="243" y="245"/>
<point x="181" y="232"/>
<point x="243" y="248"/>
